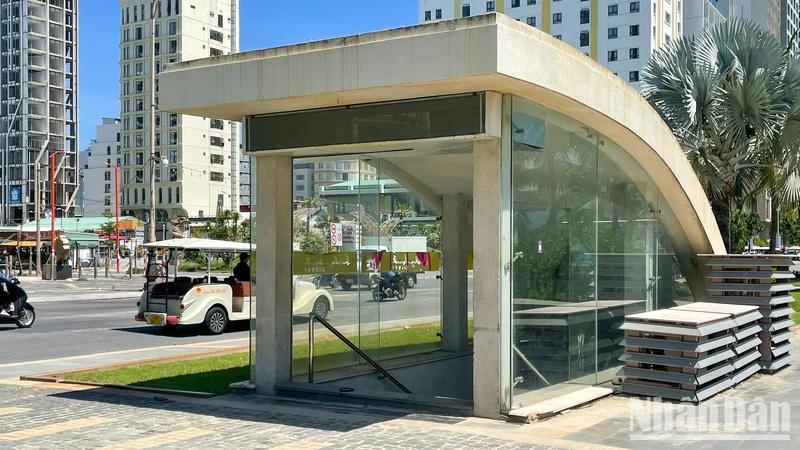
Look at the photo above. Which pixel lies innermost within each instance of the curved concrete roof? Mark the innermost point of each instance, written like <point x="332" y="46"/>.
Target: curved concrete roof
<point x="482" y="53"/>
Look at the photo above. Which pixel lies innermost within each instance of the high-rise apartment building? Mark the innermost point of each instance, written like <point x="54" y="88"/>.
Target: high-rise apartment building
<point x="621" y="35"/>
<point x="332" y="172"/>
<point x="97" y="185"/>
<point x="38" y="105"/>
<point x="202" y="154"/>
<point x="701" y="14"/>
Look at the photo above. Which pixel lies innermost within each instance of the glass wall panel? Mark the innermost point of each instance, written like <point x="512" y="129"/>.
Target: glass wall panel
<point x="355" y="227"/>
<point x="591" y="243"/>
<point x="554" y="183"/>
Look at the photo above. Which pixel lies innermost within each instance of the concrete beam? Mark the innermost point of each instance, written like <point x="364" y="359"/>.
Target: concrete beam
<point x="487" y="276"/>
<point x="273" y="323"/>
<point x="410" y="182"/>
<point x="456" y="236"/>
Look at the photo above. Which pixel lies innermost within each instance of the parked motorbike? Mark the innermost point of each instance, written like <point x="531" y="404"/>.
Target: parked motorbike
<point x="326" y="280"/>
<point x="389" y="286"/>
<point x="14" y="304"/>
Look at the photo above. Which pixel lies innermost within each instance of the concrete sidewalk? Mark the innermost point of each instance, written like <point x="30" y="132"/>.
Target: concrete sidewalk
<point x="16" y="370"/>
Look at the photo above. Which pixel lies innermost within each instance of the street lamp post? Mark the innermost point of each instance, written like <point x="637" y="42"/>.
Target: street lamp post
<point x="116" y="206"/>
<point x="53" y="214"/>
<point x="152" y="225"/>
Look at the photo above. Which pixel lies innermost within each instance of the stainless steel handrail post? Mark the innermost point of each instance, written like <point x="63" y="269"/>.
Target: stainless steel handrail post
<point x="311" y="319"/>
<point x="311" y="347"/>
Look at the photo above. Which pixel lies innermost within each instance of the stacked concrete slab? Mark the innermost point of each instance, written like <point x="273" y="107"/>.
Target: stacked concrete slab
<point x="746" y="334"/>
<point x="765" y="282"/>
<point x="679" y="354"/>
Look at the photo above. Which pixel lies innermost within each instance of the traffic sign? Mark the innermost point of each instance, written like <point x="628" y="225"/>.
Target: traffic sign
<point x="336" y="235"/>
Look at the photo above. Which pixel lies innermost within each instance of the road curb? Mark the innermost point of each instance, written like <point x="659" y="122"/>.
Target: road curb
<point x="56" y="377"/>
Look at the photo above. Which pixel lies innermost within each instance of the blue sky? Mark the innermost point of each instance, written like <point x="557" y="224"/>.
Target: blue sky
<point x="264" y="23"/>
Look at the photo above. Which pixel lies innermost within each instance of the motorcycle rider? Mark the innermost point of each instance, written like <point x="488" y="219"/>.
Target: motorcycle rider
<point x="389" y="289"/>
<point x="6" y="297"/>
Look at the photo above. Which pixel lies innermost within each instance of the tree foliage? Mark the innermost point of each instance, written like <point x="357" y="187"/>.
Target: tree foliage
<point x="730" y="95"/>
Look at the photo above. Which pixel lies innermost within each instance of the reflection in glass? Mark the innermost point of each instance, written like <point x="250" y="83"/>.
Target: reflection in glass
<point x="588" y="248"/>
<point x="357" y="227"/>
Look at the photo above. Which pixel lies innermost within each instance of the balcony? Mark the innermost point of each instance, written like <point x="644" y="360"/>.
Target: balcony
<point x="37" y="112"/>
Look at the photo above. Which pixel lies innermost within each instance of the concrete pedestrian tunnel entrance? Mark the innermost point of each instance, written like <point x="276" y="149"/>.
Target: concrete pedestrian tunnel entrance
<point x="525" y="206"/>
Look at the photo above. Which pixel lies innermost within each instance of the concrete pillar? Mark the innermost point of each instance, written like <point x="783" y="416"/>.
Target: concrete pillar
<point x="456" y="237"/>
<point x="273" y="322"/>
<point x="490" y="311"/>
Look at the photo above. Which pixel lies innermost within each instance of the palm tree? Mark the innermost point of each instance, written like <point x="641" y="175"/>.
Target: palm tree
<point x="728" y="95"/>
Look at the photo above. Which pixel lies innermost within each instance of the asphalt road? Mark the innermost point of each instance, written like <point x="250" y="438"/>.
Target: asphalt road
<point x="84" y="327"/>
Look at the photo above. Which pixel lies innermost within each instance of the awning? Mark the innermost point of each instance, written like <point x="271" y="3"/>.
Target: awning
<point x="82" y="240"/>
<point x="12" y="243"/>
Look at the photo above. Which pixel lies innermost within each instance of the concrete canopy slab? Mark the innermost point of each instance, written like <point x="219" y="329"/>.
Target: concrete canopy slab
<point x="476" y="54"/>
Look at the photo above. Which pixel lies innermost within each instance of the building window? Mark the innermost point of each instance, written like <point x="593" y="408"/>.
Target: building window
<point x="173" y="46"/>
<point x="138" y="33"/>
<point x="532" y="21"/>
<point x="139" y="158"/>
<point x="584" y="38"/>
<point x="139" y="53"/>
<point x="169" y="195"/>
<point x="613" y="10"/>
<point x="139" y="69"/>
<point x="531" y="2"/>
<point x="139" y="87"/>
<point x="634" y="30"/>
<point x="217" y="124"/>
<point x="139" y="122"/>
<point x="173" y="156"/>
<point x="633" y="53"/>
<point x="158" y="30"/>
<point x="514" y="4"/>
<point x="217" y="159"/>
<point x="140" y="176"/>
<point x="215" y="52"/>
<point x="173" y="174"/>
<point x="612" y="55"/>
<point x="158" y="176"/>
<point x="438" y="14"/>
<point x="158" y="48"/>
<point x="160" y="195"/>
<point x="219" y="20"/>
<point x="613" y="33"/>
<point x="633" y="76"/>
<point x="427" y="16"/>
<point x="584" y="16"/>
<point x="217" y="36"/>
<point x="465" y="11"/>
<point x="490" y="6"/>
<point x="634" y="7"/>
<point x="558" y="36"/>
<point x="173" y="138"/>
<point x="217" y="176"/>
<point x="177" y="195"/>
<point x="139" y="141"/>
<point x="668" y="18"/>
<point x="557" y="18"/>
<point x="217" y="141"/>
<point x="173" y="120"/>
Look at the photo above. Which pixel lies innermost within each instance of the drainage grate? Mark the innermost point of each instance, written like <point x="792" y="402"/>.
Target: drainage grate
<point x="435" y="419"/>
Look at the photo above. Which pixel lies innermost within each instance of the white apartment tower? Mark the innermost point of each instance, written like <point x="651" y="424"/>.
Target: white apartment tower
<point x="201" y="176"/>
<point x="38" y="105"/>
<point x="97" y="163"/>
<point x="619" y="34"/>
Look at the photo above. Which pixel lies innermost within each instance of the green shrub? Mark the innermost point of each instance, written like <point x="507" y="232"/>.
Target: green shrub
<point x="189" y="266"/>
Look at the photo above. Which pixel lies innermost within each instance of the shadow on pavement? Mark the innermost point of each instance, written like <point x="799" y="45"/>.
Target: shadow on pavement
<point x="305" y="417"/>
<point x="183" y="331"/>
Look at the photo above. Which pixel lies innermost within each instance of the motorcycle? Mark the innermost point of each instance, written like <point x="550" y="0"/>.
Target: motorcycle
<point x="17" y="309"/>
<point x="326" y="280"/>
<point x="389" y="287"/>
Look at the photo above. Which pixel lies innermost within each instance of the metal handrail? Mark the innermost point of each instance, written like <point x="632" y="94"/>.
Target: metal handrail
<point x="311" y="318"/>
